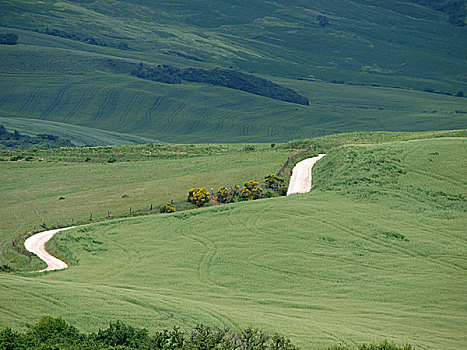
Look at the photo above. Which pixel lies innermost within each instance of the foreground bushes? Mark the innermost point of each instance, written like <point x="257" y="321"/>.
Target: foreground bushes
<point x="54" y="333"/>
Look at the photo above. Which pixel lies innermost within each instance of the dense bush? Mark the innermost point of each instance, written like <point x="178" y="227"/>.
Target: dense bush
<point x="245" y="82"/>
<point x="223" y="195"/>
<point x="251" y="190"/>
<point x="5" y="268"/>
<point x="16" y="141"/>
<point x="168" y="208"/>
<point x="54" y="330"/>
<point x="87" y="39"/>
<point x="220" y="77"/>
<point x="455" y="9"/>
<point x="55" y="333"/>
<point x="8" y="39"/>
<point x="385" y="345"/>
<point x="198" y="196"/>
<point x="120" y="334"/>
<point x="276" y="183"/>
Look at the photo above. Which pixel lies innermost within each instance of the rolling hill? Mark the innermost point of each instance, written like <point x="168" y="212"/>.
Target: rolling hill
<point x="404" y="55"/>
<point x="375" y="251"/>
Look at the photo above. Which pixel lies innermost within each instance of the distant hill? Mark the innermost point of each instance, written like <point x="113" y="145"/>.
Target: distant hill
<point x="322" y="53"/>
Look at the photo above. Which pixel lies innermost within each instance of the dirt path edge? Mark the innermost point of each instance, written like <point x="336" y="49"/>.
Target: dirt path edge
<point x="36" y="244"/>
<point x="300" y="181"/>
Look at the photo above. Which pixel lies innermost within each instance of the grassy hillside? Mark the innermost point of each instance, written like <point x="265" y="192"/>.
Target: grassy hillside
<point x="59" y="70"/>
<point x="198" y="113"/>
<point x="56" y="187"/>
<point x="79" y="135"/>
<point x="376" y="250"/>
<point x="140" y="176"/>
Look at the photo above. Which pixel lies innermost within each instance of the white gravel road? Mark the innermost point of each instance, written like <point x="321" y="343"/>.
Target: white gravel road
<point x="300" y="181"/>
<point x="36" y="244"/>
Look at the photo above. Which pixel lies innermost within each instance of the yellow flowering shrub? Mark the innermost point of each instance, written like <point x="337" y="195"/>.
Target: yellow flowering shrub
<point x="251" y="184"/>
<point x="251" y="190"/>
<point x="276" y="183"/>
<point x="198" y="196"/>
<point x="223" y="195"/>
<point x="168" y="208"/>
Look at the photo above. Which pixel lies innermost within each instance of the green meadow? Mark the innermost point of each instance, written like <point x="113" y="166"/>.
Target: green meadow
<point x="39" y="194"/>
<point x="375" y="251"/>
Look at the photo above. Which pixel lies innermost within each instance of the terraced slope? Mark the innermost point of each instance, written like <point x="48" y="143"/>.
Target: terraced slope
<point x="376" y="250"/>
<point x="59" y="71"/>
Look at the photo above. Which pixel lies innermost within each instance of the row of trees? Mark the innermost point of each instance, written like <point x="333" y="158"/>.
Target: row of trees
<point x="220" y="77"/>
<point x="8" y="39"/>
<point x="55" y="333"/>
<point x="17" y="141"/>
<point x="85" y="38"/>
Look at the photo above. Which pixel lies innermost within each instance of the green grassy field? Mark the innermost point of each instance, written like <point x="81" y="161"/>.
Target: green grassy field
<point x="197" y="113"/>
<point x="31" y="190"/>
<point x="79" y="135"/>
<point x="51" y="78"/>
<point x="377" y="250"/>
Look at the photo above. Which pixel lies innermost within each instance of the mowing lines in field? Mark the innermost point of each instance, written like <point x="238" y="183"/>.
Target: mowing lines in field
<point x="205" y="262"/>
<point x="171" y="116"/>
<point x="148" y="116"/>
<point x="396" y="247"/>
<point x="110" y="101"/>
<point x="7" y="96"/>
<point x="85" y="96"/>
<point x="129" y="107"/>
<point x="56" y="102"/>
<point x="31" y="101"/>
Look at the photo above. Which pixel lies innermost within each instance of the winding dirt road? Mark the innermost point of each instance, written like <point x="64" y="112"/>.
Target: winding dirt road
<point x="36" y="244"/>
<point x="300" y="181"/>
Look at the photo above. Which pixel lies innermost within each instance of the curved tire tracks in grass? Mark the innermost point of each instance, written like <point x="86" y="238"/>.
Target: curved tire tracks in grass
<point x="36" y="244"/>
<point x="300" y="182"/>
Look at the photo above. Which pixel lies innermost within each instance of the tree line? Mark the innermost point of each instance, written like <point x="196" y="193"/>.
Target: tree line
<point x="55" y="333"/>
<point x="220" y="77"/>
<point x="17" y="141"/>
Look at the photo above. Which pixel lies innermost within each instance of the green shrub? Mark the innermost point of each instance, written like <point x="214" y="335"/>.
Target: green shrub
<point x="54" y="330"/>
<point x="381" y="346"/>
<point x="16" y="158"/>
<point x="111" y="160"/>
<point x="54" y="333"/>
<point x="10" y="340"/>
<point x="8" y="39"/>
<point x="5" y="268"/>
<point x="120" y="334"/>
